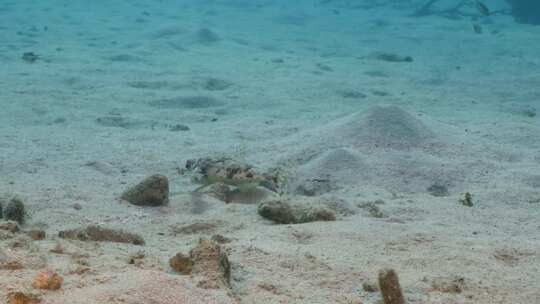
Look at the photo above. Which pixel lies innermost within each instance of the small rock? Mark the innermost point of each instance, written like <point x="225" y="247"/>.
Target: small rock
<point x="370" y="287"/>
<point x="216" y="84"/>
<point x="181" y="263"/>
<point x="284" y="213"/>
<point x="15" y="211"/>
<point x="36" y="234"/>
<point x="390" y="288"/>
<point x="438" y="190"/>
<point x="277" y="211"/>
<point x="152" y="191"/>
<point x="22" y="298"/>
<point x="9" y="226"/>
<point x="178" y="127"/>
<point x="207" y="36"/>
<point x="30" y="57"/>
<point x="449" y="285"/>
<point x="100" y="234"/>
<point x="210" y="261"/>
<point x="47" y="280"/>
<point x="218" y="238"/>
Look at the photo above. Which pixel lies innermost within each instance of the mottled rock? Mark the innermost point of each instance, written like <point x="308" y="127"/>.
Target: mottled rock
<point x="15" y="211"/>
<point x="22" y="298"/>
<point x="277" y="211"/>
<point x="390" y="288"/>
<point x="100" y="234"/>
<point x="208" y="261"/>
<point x="283" y="212"/>
<point x="152" y="191"/>
<point x="36" y="234"/>
<point x="47" y="280"/>
<point x="9" y="226"/>
<point x="181" y="263"/>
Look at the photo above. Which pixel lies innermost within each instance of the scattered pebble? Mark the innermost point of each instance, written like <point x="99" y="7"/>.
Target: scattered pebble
<point x="47" y="280"/>
<point x="22" y="298"/>
<point x="30" y="57"/>
<point x="152" y="191"/>
<point x="100" y="234"/>
<point x="15" y="211"/>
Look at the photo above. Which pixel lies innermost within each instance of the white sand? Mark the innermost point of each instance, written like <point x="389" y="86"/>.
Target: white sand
<point x="468" y="90"/>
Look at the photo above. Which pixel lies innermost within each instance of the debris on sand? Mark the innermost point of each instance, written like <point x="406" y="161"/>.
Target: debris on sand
<point x="152" y="191"/>
<point x="22" y="298"/>
<point x="47" y="280"/>
<point x="283" y="212"/>
<point x="15" y="211"/>
<point x="207" y="260"/>
<point x="100" y="234"/>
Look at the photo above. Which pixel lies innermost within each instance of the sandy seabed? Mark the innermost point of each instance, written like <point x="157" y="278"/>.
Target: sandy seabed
<point x="120" y="91"/>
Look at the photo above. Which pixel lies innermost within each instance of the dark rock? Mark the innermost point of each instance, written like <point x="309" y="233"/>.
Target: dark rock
<point x="152" y="191"/>
<point x="390" y="288"/>
<point x="188" y="102"/>
<point x="15" y="211"/>
<point x="285" y="213"/>
<point x="215" y="84"/>
<point x="199" y="227"/>
<point x="352" y="94"/>
<point x="30" y="57"/>
<point x="438" y="190"/>
<point x="100" y="234"/>
<point x="178" y="128"/>
<point x="9" y="226"/>
<point x="277" y="211"/>
<point x="36" y="234"/>
<point x="207" y="36"/>
<point x="206" y="260"/>
<point x="390" y="57"/>
<point x="181" y="263"/>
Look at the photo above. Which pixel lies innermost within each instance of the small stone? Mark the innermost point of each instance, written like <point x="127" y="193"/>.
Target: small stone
<point x="152" y="191"/>
<point x="22" y="298"/>
<point x="438" y="190"/>
<point x="9" y="226"/>
<point x="181" y="263"/>
<point x="15" y="211"/>
<point x="390" y="288"/>
<point x="30" y="57"/>
<point x="77" y="206"/>
<point x="36" y="234"/>
<point x="277" y="211"/>
<point x="47" y="280"/>
<point x="370" y="287"/>
<point x="101" y="234"/>
<point x="179" y="127"/>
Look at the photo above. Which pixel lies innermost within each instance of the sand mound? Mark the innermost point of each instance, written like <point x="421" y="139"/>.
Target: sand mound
<point x="384" y="147"/>
<point x="328" y="171"/>
<point x="385" y="127"/>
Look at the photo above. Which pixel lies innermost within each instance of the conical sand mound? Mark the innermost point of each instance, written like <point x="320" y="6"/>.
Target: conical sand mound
<point x="385" y="127"/>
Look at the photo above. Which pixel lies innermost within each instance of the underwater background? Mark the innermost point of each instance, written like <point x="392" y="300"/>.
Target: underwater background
<point x="269" y="151"/>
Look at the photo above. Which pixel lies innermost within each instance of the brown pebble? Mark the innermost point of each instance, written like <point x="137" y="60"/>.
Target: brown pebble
<point x="10" y="226"/>
<point x="181" y="263"/>
<point x="47" y="280"/>
<point x="389" y="286"/>
<point x="36" y="235"/>
<point x="21" y="298"/>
